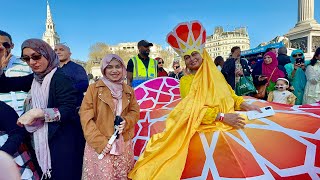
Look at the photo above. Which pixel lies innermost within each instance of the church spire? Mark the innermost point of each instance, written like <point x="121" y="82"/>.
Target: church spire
<point x="49" y="16"/>
<point x="50" y="35"/>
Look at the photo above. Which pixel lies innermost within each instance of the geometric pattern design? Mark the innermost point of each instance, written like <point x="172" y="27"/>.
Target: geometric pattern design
<point x="284" y="146"/>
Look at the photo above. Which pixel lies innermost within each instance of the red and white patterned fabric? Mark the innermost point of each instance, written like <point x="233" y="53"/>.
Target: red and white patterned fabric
<point x="23" y="161"/>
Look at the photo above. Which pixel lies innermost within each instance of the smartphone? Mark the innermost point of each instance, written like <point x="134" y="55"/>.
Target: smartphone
<point x="299" y="60"/>
<point x="266" y="111"/>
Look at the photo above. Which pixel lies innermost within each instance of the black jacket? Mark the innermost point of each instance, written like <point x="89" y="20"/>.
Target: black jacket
<point x="8" y="124"/>
<point x="283" y="59"/>
<point x="228" y="70"/>
<point x="66" y="141"/>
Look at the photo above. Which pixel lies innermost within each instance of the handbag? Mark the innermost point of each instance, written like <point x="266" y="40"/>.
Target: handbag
<point x="245" y="86"/>
<point x="261" y="90"/>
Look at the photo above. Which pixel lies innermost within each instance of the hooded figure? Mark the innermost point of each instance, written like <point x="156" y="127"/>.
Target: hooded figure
<point x="296" y="75"/>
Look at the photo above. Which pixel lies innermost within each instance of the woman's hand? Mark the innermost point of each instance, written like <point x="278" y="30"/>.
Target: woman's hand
<point x="303" y="66"/>
<point x="296" y="66"/>
<point x="234" y="120"/>
<point x="249" y="107"/>
<point x="30" y="117"/>
<point x="122" y="126"/>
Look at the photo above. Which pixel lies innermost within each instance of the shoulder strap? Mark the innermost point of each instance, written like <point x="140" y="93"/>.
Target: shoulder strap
<point x="271" y="74"/>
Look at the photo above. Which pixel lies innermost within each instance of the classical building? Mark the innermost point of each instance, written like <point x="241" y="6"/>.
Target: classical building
<point x="50" y="35"/>
<point x="221" y="42"/>
<point x="306" y="33"/>
<point x="132" y="47"/>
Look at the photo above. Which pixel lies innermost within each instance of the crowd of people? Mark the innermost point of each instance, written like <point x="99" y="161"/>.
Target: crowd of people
<point x="74" y="127"/>
<point x="276" y="77"/>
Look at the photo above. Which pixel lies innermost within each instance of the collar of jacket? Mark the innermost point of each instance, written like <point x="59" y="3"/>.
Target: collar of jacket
<point x="105" y="95"/>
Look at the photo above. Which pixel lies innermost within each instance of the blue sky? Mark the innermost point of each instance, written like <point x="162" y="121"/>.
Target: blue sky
<point x="82" y="23"/>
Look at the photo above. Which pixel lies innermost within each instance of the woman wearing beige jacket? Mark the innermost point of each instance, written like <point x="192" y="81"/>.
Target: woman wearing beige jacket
<point x="105" y="101"/>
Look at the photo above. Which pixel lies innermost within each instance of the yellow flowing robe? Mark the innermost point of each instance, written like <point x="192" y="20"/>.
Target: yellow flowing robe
<point x="207" y="94"/>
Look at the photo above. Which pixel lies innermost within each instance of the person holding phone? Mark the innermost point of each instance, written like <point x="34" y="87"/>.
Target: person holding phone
<point x="267" y="72"/>
<point x="177" y="70"/>
<point x="296" y="74"/>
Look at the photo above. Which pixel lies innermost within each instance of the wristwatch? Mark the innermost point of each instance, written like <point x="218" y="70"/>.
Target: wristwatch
<point x="221" y="117"/>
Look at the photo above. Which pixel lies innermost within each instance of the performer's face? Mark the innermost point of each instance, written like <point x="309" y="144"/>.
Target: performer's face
<point x="193" y="61"/>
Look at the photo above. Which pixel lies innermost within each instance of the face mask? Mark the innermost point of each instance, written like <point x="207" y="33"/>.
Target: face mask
<point x="145" y="53"/>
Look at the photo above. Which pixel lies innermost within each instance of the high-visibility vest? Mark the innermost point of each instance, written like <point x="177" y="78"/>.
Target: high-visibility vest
<point x="141" y="73"/>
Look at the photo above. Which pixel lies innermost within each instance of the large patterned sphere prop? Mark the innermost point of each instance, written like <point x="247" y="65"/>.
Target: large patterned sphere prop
<point x="284" y="146"/>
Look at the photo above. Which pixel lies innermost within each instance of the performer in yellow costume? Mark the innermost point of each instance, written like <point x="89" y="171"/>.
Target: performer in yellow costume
<point x="208" y="104"/>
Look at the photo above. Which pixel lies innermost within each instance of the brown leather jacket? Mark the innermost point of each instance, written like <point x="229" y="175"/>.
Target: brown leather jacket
<point x="97" y="114"/>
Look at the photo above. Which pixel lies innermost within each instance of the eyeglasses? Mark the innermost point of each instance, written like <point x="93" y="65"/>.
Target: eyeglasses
<point x="176" y="67"/>
<point x="296" y="55"/>
<point x="160" y="62"/>
<point x="34" y="57"/>
<point x="6" y="45"/>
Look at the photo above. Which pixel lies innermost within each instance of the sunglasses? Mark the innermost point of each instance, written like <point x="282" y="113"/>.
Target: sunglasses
<point x="34" y="57"/>
<point x="176" y="67"/>
<point x="296" y="55"/>
<point x="6" y="45"/>
<point x="160" y="62"/>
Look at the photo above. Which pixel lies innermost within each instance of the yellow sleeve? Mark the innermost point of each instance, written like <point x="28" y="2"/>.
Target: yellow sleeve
<point x="185" y="85"/>
<point x="238" y="100"/>
<point x="292" y="99"/>
<point x="270" y="97"/>
<point x="210" y="116"/>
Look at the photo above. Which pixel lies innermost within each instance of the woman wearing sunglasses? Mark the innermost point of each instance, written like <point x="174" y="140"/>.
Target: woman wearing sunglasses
<point x="296" y="74"/>
<point x="161" y="70"/>
<point x="49" y="112"/>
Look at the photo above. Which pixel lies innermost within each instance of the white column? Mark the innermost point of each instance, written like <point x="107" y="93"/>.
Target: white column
<point x="305" y="10"/>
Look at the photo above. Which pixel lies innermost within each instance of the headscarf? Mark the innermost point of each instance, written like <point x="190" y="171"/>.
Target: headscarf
<point x="267" y="69"/>
<point x="116" y="88"/>
<point x="46" y="51"/>
<point x="298" y="51"/>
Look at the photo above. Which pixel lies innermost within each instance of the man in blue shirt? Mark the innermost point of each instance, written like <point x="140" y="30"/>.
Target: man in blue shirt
<point x="73" y="70"/>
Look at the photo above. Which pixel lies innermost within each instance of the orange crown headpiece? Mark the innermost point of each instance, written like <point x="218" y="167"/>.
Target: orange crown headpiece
<point x="187" y="37"/>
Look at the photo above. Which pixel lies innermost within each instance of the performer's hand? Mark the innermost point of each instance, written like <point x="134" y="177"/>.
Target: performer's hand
<point x="122" y="126"/>
<point x="234" y="120"/>
<point x="249" y="107"/>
